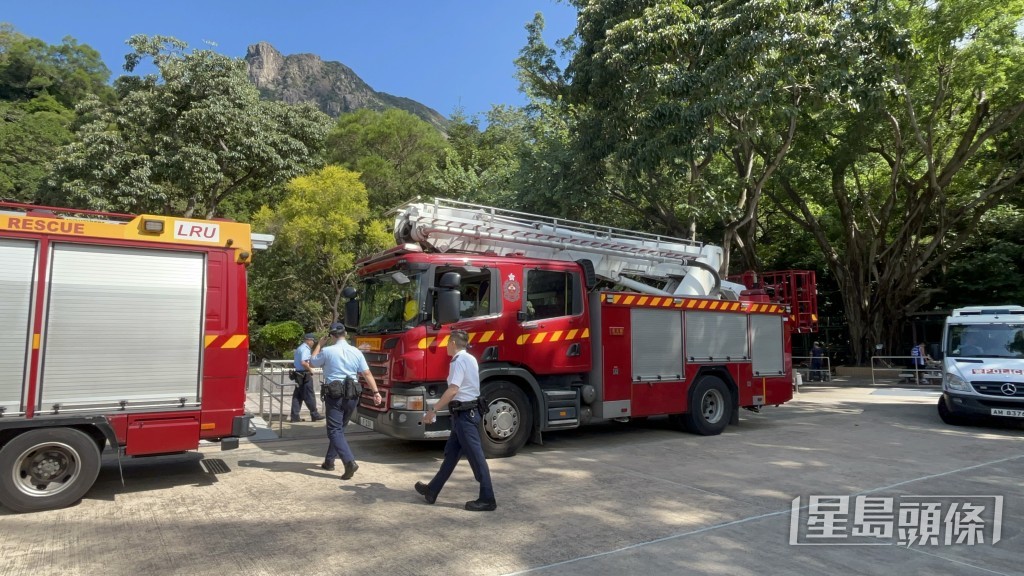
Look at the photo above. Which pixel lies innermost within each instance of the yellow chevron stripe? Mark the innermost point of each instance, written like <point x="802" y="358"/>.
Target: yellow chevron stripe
<point x="572" y="334"/>
<point x="486" y="337"/>
<point x="523" y="339"/>
<point x="667" y="302"/>
<point x="540" y="338"/>
<point x="655" y="301"/>
<point x="814" y="317"/>
<point x="643" y="300"/>
<point x="501" y="337"/>
<point x="425" y="343"/>
<point x="556" y="336"/>
<point x="234" y="342"/>
<point x="443" y="342"/>
<point x="210" y="340"/>
<point x="586" y="333"/>
<point x="629" y="299"/>
<point x="703" y="304"/>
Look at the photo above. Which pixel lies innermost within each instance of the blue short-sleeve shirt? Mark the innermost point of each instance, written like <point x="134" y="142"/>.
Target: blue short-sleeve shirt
<point x="340" y="360"/>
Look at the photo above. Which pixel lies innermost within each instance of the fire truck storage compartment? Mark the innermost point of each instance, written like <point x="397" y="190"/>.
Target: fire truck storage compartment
<point x="657" y="344"/>
<point x="17" y="263"/>
<point x="149" y="435"/>
<point x="767" y="344"/>
<point x="122" y="325"/>
<point x="716" y="336"/>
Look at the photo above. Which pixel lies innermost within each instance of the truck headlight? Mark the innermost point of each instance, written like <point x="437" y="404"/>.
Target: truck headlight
<point x="955" y="382"/>
<point x="403" y="402"/>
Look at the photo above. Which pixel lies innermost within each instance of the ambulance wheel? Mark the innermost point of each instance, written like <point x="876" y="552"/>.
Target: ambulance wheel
<point x="947" y="415"/>
<point x="710" y="406"/>
<point x="508" y="421"/>
<point x="47" y="468"/>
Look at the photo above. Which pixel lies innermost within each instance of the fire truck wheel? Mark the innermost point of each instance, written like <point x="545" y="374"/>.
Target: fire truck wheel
<point x="508" y="421"/>
<point x="47" y="468"/>
<point x="710" y="405"/>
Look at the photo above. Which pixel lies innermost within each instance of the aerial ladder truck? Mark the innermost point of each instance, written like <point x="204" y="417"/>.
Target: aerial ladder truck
<point x="571" y="323"/>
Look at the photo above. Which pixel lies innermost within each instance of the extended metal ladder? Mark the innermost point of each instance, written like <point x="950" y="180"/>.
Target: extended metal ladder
<point x="679" y="267"/>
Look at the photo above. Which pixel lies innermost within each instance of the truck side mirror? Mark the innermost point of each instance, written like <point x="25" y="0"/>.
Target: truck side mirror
<point x="351" y="307"/>
<point x="448" y="298"/>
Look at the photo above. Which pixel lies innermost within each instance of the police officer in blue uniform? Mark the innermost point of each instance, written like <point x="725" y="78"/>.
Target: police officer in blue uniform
<point x="304" y="381"/>
<point x="339" y="361"/>
<point x="462" y="400"/>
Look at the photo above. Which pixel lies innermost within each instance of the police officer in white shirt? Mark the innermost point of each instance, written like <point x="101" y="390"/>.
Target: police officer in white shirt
<point x="461" y="399"/>
<point x="339" y="361"/>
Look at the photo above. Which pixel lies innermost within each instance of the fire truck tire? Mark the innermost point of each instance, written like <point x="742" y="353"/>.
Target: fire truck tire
<point x="710" y="407"/>
<point x="508" y="421"/>
<point x="47" y="468"/>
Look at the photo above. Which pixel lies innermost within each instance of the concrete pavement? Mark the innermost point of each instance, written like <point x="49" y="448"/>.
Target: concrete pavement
<point x="608" y="499"/>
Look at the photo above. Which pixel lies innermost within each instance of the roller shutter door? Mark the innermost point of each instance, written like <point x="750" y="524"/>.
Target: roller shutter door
<point x="767" y="338"/>
<point x="123" y="325"/>
<point x="17" y="279"/>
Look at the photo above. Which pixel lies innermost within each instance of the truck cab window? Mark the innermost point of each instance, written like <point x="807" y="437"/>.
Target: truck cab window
<point x="550" y="294"/>
<point x="475" y="298"/>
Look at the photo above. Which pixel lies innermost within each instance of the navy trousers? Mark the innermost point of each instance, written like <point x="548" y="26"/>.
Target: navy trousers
<point x="339" y="411"/>
<point x="464" y="439"/>
<point x="304" y="393"/>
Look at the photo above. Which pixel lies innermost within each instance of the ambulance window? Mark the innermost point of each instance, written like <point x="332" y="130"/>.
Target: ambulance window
<point x="551" y="294"/>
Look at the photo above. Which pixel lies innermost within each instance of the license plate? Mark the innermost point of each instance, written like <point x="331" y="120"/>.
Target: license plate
<point x="366" y="422"/>
<point x="1008" y="412"/>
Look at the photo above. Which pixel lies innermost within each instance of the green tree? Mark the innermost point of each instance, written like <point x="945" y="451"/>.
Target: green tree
<point x="30" y="68"/>
<point x="892" y="188"/>
<point x="322" y="226"/>
<point x="31" y="132"/>
<point x="394" y="151"/>
<point x="186" y="139"/>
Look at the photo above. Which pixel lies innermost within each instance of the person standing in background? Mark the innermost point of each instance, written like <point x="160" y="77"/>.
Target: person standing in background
<point x="304" y="381"/>
<point x="817" y="355"/>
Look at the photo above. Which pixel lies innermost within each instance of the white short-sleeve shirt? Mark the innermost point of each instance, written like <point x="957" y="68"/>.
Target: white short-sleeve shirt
<point x="465" y="373"/>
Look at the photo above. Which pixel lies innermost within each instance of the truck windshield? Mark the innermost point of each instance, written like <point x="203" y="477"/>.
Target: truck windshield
<point x="985" y="341"/>
<point x="390" y="302"/>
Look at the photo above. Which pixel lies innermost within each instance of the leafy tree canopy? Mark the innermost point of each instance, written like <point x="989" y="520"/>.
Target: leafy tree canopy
<point x="322" y="226"/>
<point x="185" y="139"/>
<point x="394" y="151"/>
<point x="68" y="72"/>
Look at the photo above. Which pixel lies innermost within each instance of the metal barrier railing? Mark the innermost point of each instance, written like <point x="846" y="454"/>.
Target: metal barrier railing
<point x="905" y="369"/>
<point x="802" y="365"/>
<point x="273" y="384"/>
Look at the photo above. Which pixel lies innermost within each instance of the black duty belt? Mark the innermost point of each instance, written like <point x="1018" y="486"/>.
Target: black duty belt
<point x="461" y="406"/>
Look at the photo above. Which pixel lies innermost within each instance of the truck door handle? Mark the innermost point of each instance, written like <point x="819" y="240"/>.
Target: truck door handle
<point x="573" y="350"/>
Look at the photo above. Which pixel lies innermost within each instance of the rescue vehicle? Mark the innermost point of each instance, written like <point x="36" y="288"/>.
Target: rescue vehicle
<point x="120" y="331"/>
<point x="571" y="322"/>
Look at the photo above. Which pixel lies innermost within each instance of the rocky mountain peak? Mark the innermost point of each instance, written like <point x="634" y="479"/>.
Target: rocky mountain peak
<point x="331" y="86"/>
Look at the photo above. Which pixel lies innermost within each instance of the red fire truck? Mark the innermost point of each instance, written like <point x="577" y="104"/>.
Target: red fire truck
<point x="571" y="323"/>
<point x="121" y="331"/>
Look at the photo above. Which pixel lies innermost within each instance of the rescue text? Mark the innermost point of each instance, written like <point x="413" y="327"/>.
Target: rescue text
<point x="45" y="225"/>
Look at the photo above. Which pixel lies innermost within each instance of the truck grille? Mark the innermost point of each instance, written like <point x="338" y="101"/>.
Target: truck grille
<point x="997" y="389"/>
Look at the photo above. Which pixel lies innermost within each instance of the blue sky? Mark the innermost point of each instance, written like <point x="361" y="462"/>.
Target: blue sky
<point x="443" y="53"/>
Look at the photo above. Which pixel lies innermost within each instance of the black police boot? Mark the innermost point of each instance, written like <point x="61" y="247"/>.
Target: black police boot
<point x="424" y="490"/>
<point x="481" y="505"/>
<point x="327" y="465"/>
<point x="350" y="469"/>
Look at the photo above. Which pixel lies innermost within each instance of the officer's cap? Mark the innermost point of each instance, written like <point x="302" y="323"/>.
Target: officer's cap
<point x="309" y="336"/>
<point x="337" y="328"/>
